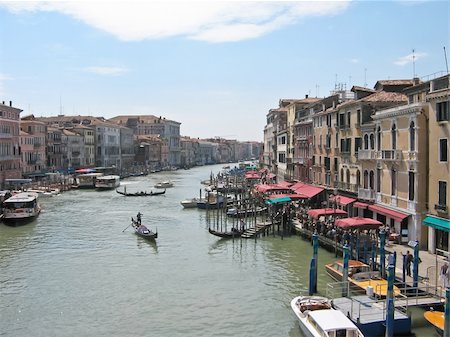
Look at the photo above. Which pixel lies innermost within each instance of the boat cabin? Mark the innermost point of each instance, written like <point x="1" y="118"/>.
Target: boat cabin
<point x="333" y="323"/>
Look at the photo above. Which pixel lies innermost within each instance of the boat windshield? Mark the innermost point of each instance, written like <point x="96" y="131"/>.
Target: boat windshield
<point x="14" y="205"/>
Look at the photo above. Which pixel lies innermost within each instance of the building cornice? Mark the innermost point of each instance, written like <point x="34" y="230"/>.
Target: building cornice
<point x="402" y="110"/>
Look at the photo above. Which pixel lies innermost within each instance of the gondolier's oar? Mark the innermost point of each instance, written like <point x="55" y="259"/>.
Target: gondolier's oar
<point x="127" y="227"/>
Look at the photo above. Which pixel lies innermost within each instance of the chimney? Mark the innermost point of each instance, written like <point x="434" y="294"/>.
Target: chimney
<point x="10" y="103"/>
<point x="306" y="96"/>
<point x="3" y="102"/>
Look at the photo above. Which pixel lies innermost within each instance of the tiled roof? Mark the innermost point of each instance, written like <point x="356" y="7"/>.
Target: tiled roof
<point x="357" y="88"/>
<point x="383" y="96"/>
<point x="395" y="82"/>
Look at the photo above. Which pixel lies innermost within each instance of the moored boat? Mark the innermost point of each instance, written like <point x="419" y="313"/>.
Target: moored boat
<point x="107" y="182"/>
<point x="233" y="233"/>
<point x="436" y="318"/>
<point x="139" y="194"/>
<point x="359" y="275"/>
<point x="190" y="203"/>
<point x="21" y="208"/>
<point x="317" y="318"/>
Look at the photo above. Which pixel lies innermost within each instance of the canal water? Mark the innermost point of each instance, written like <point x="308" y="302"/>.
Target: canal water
<point x="78" y="271"/>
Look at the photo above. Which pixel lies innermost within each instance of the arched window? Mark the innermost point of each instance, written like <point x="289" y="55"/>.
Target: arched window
<point x="371" y="175"/>
<point x="393" y="182"/>
<point x="342" y="175"/>
<point x="412" y="137"/>
<point x="372" y="142"/>
<point x="366" y="142"/>
<point x="394" y="136"/>
<point x="379" y="139"/>
<point x="366" y="179"/>
<point x="358" y="178"/>
<point x="348" y="176"/>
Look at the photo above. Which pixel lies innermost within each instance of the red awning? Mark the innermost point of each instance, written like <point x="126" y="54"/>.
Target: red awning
<point x="294" y="196"/>
<point x="308" y="190"/>
<point x="361" y="205"/>
<point x="317" y="212"/>
<point x="388" y="212"/>
<point x="342" y="200"/>
<point x="284" y="184"/>
<point x="358" y="223"/>
<point x="263" y="188"/>
<point x="297" y="185"/>
<point x="252" y="175"/>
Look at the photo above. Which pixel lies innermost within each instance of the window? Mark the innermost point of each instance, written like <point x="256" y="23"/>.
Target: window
<point x="393" y="182"/>
<point x="412" y="137"/>
<point x="372" y="142"/>
<point x="379" y="139"/>
<point x="371" y="180"/>
<point x="394" y="136"/>
<point x="366" y="142"/>
<point x="442" y="111"/>
<point x="443" y="150"/>
<point x="442" y="193"/>
<point x="411" y="186"/>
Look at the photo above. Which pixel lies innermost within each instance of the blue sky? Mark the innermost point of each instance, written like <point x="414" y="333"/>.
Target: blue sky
<point x="216" y="67"/>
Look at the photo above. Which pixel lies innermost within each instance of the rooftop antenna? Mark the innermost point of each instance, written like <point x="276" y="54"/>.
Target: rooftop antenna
<point x="414" y="63"/>
<point x="60" y="105"/>
<point x="446" y="63"/>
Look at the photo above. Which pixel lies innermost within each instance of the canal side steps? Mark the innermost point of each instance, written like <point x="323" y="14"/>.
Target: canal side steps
<point x="253" y="231"/>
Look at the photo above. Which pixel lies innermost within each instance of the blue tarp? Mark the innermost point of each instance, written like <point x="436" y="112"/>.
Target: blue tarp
<point x="278" y="200"/>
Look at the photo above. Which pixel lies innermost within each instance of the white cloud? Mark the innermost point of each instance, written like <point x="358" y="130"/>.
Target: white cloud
<point x="354" y="60"/>
<point x="404" y="60"/>
<point x="113" y="71"/>
<point x="213" y="21"/>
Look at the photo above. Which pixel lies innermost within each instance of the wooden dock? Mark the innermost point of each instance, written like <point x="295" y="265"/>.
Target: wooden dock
<point x="254" y="231"/>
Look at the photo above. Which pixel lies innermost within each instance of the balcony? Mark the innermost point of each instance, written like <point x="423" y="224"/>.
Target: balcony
<point x="391" y="155"/>
<point x="412" y="155"/>
<point x="366" y="155"/>
<point x="75" y="153"/>
<point x="346" y="186"/>
<point x="366" y="194"/>
<point x="441" y="208"/>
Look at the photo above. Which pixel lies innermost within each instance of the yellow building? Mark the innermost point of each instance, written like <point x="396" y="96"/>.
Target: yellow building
<point x="438" y="216"/>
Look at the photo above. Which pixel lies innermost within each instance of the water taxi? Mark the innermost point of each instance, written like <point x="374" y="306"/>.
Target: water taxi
<point x="317" y="318"/>
<point x="164" y="184"/>
<point x="359" y="275"/>
<point x="107" y="182"/>
<point x="190" y="203"/>
<point x="21" y="207"/>
<point x="87" y="180"/>
<point x="436" y="318"/>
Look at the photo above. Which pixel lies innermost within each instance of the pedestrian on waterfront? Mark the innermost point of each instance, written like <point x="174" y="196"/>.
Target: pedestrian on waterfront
<point x="443" y="275"/>
<point x="409" y="259"/>
<point x="242" y="225"/>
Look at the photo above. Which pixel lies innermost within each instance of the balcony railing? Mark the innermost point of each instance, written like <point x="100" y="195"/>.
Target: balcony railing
<point x="366" y="194"/>
<point x="391" y="155"/>
<point x="366" y="154"/>
<point x="301" y="161"/>
<point x="412" y="155"/>
<point x="346" y="186"/>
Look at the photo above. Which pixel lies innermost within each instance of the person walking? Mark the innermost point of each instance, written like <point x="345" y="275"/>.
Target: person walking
<point x="443" y="275"/>
<point x="409" y="259"/>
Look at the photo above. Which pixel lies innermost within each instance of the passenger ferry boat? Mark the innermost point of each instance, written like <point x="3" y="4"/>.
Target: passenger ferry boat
<point x="107" y="182"/>
<point x="21" y="207"/>
<point x="87" y="180"/>
<point x="317" y="318"/>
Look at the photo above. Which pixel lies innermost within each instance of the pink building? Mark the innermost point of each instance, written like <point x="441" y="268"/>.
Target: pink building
<point x="37" y="131"/>
<point x="9" y="143"/>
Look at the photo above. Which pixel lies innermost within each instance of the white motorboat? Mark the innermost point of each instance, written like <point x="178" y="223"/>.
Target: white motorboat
<point x="21" y="207"/>
<point x="317" y="318"/>
<point x="164" y="184"/>
<point x="107" y="182"/>
<point x="190" y="203"/>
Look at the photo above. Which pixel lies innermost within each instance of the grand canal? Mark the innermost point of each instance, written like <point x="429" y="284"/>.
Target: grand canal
<point x="75" y="272"/>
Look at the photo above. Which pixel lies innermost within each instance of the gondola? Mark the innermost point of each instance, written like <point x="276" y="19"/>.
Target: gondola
<point x="140" y="194"/>
<point x="143" y="231"/>
<point x="233" y="233"/>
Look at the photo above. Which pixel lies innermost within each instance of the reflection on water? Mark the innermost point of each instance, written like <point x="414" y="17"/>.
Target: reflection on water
<point x="75" y="272"/>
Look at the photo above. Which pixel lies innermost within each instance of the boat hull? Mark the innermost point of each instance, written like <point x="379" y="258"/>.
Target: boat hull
<point x="226" y="235"/>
